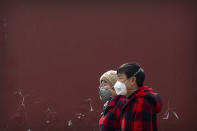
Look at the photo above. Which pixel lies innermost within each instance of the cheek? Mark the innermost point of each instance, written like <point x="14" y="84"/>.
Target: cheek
<point x="128" y="85"/>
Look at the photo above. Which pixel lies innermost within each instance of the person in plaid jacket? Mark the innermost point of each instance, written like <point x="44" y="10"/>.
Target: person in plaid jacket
<point x="111" y="117"/>
<point x="140" y="112"/>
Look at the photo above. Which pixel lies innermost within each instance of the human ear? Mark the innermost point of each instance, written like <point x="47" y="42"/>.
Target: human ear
<point x="133" y="80"/>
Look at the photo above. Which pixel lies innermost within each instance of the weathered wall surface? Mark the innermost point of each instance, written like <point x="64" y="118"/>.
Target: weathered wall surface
<point x="52" y="55"/>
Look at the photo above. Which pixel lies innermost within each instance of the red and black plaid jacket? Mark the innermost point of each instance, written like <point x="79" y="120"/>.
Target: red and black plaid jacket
<point x="111" y="119"/>
<point x="140" y="113"/>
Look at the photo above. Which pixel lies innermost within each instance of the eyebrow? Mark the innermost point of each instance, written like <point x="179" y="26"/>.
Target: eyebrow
<point x="104" y="81"/>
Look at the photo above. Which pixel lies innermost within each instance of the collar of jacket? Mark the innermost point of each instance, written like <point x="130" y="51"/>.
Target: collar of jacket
<point x="147" y="93"/>
<point x="135" y="94"/>
<point x="138" y="92"/>
<point x="112" y="103"/>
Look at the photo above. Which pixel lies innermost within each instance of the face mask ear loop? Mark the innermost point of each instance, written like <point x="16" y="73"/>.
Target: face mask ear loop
<point x="139" y="70"/>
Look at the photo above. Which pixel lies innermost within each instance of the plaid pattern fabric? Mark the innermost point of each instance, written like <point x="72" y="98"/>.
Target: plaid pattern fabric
<point x="111" y="119"/>
<point x="140" y="113"/>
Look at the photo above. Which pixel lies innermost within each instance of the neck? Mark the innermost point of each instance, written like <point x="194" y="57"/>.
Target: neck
<point x="131" y="91"/>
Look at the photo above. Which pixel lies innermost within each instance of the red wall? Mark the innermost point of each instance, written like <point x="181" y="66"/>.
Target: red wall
<point x="56" y="52"/>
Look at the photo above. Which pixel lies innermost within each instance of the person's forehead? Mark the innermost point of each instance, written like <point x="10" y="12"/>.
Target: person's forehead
<point x="104" y="83"/>
<point x="121" y="75"/>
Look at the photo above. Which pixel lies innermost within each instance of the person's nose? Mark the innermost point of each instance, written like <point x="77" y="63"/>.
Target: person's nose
<point x="105" y="87"/>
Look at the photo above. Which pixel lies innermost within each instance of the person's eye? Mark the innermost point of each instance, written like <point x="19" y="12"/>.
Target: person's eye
<point x="120" y="78"/>
<point x="104" y="84"/>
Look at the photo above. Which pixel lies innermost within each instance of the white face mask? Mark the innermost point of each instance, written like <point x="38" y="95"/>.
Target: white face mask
<point x="120" y="88"/>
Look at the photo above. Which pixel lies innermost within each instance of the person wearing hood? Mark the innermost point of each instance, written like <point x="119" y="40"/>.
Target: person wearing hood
<point x="111" y="117"/>
<point x="140" y="112"/>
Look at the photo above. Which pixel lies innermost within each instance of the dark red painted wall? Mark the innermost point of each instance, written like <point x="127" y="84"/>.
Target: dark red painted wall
<point x="55" y="53"/>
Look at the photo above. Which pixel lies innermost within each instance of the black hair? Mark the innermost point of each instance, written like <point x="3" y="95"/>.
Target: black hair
<point x="133" y="69"/>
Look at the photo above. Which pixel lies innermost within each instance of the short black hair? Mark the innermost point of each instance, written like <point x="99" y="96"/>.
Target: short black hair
<point x="133" y="69"/>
